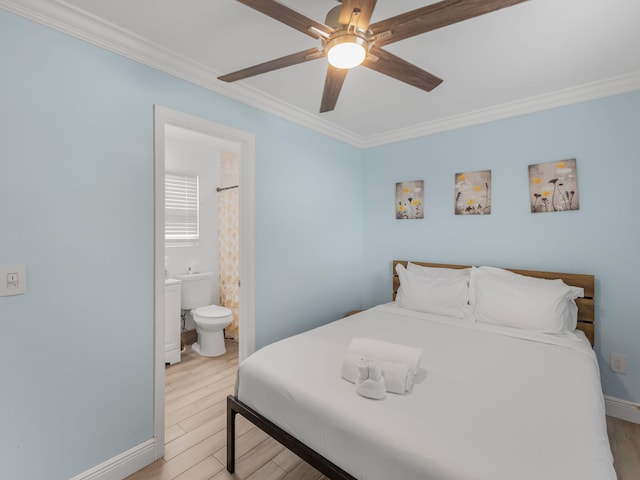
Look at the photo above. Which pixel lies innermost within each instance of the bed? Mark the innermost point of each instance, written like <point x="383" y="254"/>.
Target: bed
<point x="489" y="401"/>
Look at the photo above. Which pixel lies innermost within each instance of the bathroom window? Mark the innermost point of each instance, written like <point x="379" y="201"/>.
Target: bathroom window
<point x="181" y="209"/>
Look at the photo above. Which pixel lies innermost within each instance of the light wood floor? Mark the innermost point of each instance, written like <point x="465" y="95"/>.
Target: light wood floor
<point x="195" y="431"/>
<point x="624" y="438"/>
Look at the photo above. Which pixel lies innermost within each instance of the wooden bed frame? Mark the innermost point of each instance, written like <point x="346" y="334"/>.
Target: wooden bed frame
<point x="586" y="317"/>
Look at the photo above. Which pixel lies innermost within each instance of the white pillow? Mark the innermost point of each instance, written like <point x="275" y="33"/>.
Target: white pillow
<point x="442" y="296"/>
<point x="438" y="272"/>
<point x="501" y="297"/>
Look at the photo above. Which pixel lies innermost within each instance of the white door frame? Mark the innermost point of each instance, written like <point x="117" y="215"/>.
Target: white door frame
<point x="247" y="343"/>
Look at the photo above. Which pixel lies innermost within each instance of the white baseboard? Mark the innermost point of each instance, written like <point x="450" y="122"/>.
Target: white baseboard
<point x="622" y="409"/>
<point x="122" y="465"/>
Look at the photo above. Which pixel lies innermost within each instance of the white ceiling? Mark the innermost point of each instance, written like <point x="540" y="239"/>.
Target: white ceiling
<point x="531" y="56"/>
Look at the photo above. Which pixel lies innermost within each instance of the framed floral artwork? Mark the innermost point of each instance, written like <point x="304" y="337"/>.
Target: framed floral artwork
<point x="410" y="200"/>
<point x="553" y="186"/>
<point x="473" y="193"/>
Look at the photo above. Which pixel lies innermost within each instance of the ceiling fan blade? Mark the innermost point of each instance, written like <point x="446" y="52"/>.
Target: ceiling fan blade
<point x="284" y="14"/>
<point x="366" y="9"/>
<point x="395" y="67"/>
<point x="435" y="16"/>
<point x="332" y="86"/>
<point x="287" y="61"/>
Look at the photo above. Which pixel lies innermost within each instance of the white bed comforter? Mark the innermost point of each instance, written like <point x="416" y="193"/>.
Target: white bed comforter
<point x="489" y="402"/>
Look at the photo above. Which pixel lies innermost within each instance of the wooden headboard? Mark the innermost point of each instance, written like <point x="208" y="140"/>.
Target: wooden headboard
<point x="586" y="305"/>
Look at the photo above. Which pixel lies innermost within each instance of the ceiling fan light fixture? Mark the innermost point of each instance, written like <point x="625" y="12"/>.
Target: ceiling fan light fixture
<point x="346" y="51"/>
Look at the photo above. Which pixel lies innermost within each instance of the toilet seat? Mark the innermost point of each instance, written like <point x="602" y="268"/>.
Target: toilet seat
<point x="212" y="316"/>
<point x="212" y="311"/>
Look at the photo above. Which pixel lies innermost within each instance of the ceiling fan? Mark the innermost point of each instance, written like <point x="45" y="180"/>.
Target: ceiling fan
<point x="348" y="39"/>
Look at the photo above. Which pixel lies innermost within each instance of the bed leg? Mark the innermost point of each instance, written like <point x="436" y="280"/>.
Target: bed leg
<point x="231" y="436"/>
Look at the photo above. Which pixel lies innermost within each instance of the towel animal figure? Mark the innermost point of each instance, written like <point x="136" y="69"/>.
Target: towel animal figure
<point x="369" y="382"/>
<point x="399" y="363"/>
<point x="398" y="378"/>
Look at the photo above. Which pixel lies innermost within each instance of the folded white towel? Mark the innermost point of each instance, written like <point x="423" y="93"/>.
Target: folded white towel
<point x="398" y="378"/>
<point x="372" y="385"/>
<point x="386" y="352"/>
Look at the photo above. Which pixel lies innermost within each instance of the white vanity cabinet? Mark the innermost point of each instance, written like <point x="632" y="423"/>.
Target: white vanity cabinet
<point x="172" y="320"/>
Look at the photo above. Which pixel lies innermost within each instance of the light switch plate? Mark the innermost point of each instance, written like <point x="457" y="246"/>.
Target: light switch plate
<point x="13" y="280"/>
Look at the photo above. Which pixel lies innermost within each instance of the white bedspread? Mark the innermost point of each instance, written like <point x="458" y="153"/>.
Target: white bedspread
<point x="489" y="402"/>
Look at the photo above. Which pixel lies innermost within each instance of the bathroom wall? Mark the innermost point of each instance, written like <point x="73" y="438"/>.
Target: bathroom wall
<point x="196" y="154"/>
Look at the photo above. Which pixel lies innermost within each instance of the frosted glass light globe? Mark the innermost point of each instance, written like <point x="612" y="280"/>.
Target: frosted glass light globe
<point x="346" y="52"/>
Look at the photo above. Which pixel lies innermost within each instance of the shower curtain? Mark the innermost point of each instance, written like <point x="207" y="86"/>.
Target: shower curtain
<point x="228" y="242"/>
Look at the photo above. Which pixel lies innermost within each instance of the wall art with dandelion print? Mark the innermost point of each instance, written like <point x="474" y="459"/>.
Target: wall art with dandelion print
<point x="553" y="186"/>
<point x="410" y="200"/>
<point x="473" y="193"/>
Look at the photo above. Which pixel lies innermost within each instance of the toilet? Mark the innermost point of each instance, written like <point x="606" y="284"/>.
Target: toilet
<point x="198" y="296"/>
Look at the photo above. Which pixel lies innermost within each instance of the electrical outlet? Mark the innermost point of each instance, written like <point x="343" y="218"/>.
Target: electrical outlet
<point x="618" y="363"/>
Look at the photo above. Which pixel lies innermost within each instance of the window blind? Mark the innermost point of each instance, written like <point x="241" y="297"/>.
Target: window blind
<point x="181" y="209"/>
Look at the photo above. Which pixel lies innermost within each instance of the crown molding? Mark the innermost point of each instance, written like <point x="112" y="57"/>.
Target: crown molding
<point x="77" y="23"/>
<point x="581" y="93"/>
<point x="73" y="21"/>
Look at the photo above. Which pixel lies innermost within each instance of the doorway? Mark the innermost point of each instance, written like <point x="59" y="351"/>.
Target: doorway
<point x="164" y="119"/>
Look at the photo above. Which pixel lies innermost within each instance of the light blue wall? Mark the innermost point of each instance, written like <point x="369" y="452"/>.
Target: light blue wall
<point x="309" y="232"/>
<point x="76" y="206"/>
<point x="602" y="238"/>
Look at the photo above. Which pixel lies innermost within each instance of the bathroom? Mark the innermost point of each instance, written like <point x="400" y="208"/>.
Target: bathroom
<point x="201" y="235"/>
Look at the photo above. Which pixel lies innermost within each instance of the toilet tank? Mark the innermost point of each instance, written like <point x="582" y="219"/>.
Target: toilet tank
<point x="197" y="290"/>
